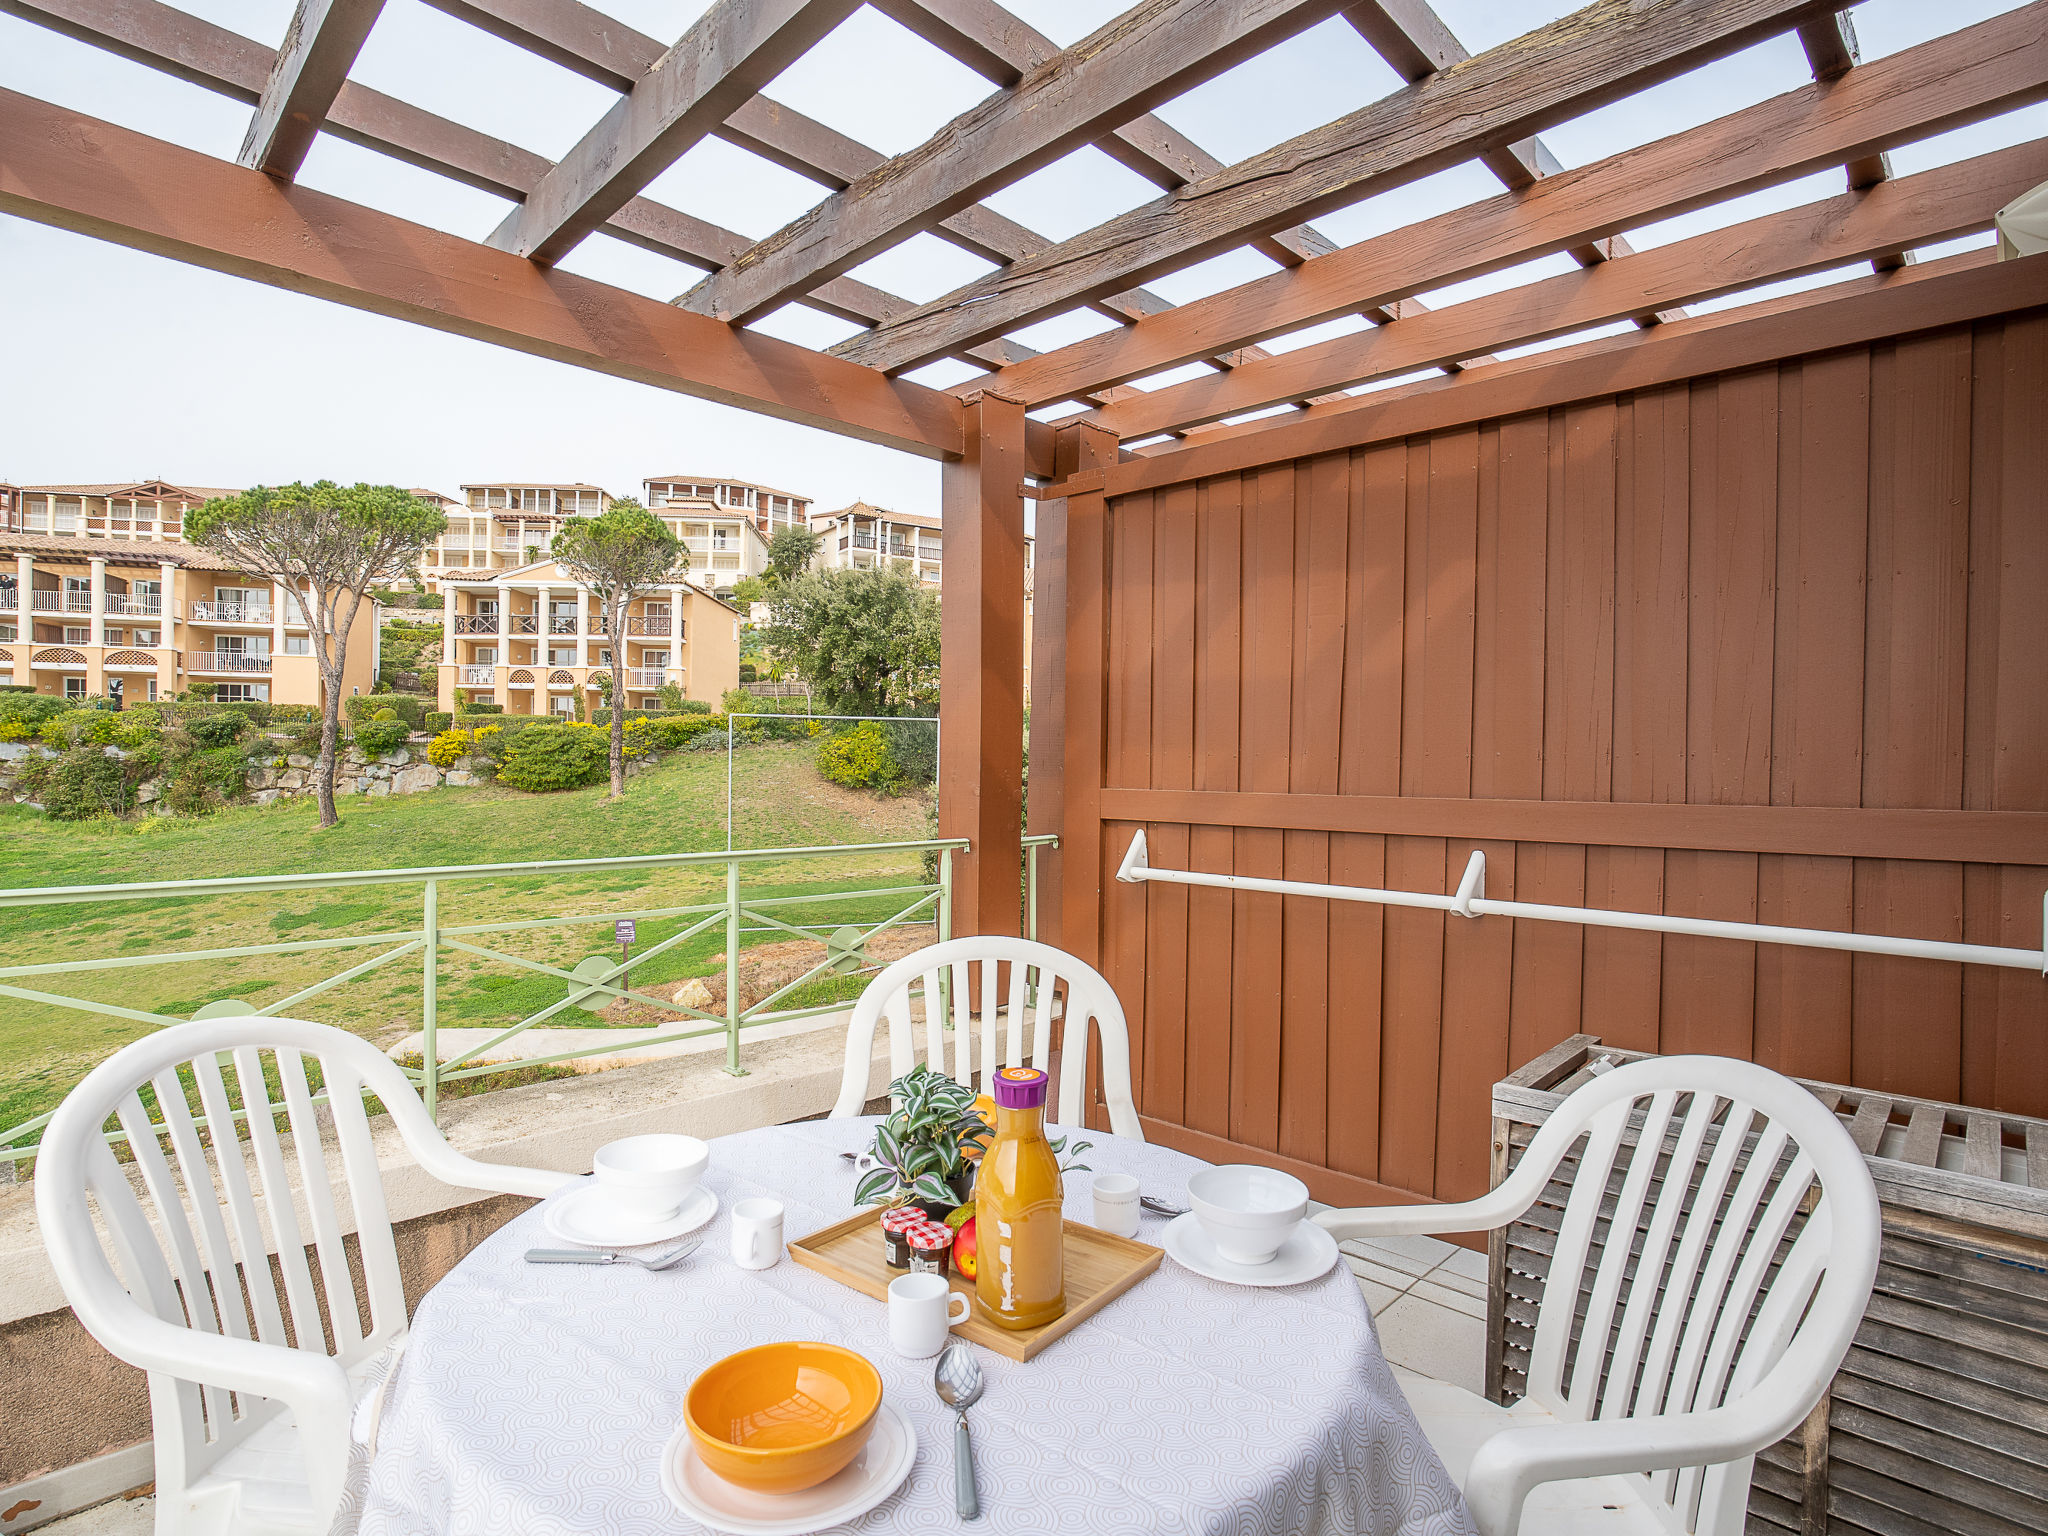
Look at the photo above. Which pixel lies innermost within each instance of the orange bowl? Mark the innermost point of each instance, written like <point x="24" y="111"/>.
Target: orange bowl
<point x="780" y="1418"/>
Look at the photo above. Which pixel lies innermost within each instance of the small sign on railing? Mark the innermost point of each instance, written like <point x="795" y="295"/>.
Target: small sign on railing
<point x="624" y="930"/>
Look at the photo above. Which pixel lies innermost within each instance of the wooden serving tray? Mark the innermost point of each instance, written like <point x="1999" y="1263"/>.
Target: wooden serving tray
<point x="1099" y="1268"/>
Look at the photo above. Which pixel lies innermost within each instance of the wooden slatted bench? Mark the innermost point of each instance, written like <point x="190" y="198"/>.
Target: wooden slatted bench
<point x="1938" y="1419"/>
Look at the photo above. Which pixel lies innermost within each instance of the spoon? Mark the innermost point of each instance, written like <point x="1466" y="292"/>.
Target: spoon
<point x="958" y="1383"/>
<point x="651" y="1262"/>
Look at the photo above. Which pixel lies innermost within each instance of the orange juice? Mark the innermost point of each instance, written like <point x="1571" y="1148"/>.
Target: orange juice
<point x="1021" y="1276"/>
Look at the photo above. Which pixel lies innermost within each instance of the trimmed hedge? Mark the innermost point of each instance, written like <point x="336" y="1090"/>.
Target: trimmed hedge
<point x="435" y="721"/>
<point x="554" y="757"/>
<point x="409" y="707"/>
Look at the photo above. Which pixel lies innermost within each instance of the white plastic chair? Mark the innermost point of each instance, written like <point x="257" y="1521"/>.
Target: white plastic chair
<point x="1708" y="1336"/>
<point x="1037" y="973"/>
<point x="253" y="1425"/>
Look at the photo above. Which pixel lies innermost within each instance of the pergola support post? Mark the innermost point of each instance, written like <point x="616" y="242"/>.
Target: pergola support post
<point x="1077" y="446"/>
<point x="981" y="672"/>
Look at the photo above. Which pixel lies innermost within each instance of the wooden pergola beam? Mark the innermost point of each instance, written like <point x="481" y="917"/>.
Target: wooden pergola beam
<point x="733" y="50"/>
<point x="1150" y="54"/>
<point x="1004" y="48"/>
<point x="1928" y="295"/>
<point x="1595" y="56"/>
<point x="1939" y="204"/>
<point x="1831" y="52"/>
<point x="1414" y="41"/>
<point x="176" y="43"/>
<point x="70" y="171"/>
<point x="1963" y="77"/>
<point x="320" y="47"/>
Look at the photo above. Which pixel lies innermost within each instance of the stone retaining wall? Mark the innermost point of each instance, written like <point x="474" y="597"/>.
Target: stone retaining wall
<point x="404" y="771"/>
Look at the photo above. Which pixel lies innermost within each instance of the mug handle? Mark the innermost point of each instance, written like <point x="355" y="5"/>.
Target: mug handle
<point x="966" y="1308"/>
<point x="754" y="1236"/>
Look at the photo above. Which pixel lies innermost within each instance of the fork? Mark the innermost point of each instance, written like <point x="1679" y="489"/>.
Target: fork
<point x="652" y="1262"/>
<point x="1160" y="1207"/>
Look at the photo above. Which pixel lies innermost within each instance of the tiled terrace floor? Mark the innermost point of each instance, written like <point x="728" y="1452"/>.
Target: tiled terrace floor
<point x="1428" y="1298"/>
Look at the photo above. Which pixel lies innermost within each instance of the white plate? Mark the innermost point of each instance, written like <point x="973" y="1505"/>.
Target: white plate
<point x="1307" y="1255"/>
<point x="868" y="1479"/>
<point x="587" y="1218"/>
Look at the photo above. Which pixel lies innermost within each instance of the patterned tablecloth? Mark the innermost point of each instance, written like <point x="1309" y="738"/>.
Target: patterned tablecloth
<point x="536" y="1399"/>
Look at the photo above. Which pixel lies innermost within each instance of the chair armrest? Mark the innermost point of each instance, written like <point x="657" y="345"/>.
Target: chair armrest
<point x="1409" y="1220"/>
<point x="1510" y="1465"/>
<point x="465" y="1172"/>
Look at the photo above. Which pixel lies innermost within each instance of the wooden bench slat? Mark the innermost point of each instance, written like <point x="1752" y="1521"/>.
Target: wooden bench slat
<point x="1923" y="1136"/>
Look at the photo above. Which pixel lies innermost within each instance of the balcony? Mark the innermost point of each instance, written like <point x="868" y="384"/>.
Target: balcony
<point x="230" y="613"/>
<point x="476" y="624"/>
<point x="226" y="661"/>
<point x="648" y="624"/>
<point x="646" y="677"/>
<point x="10" y="600"/>
<point x="560" y="626"/>
<point x="61" y="602"/>
<point x="479" y="677"/>
<point x="522" y="624"/>
<point x="147" y="606"/>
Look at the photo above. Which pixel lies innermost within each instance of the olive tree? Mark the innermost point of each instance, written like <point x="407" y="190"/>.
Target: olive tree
<point x="328" y="544"/>
<point x="867" y="641"/>
<point x="622" y="553"/>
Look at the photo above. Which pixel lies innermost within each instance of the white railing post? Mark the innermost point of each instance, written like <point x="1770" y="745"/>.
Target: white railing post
<point x="430" y="1054"/>
<point x="732" y="969"/>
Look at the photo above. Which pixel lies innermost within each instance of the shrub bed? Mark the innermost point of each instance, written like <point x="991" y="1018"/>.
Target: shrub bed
<point x="554" y="757"/>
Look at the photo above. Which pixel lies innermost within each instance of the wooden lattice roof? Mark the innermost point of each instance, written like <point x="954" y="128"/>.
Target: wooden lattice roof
<point x="68" y="169"/>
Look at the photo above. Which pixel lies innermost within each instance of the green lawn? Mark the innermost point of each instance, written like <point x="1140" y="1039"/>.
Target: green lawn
<point x="676" y="806"/>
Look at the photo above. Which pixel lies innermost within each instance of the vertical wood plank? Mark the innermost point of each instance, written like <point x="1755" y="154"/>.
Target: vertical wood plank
<point x="1368" y="764"/>
<point x="1218" y="703"/>
<point x="1078" y="446"/>
<point x="1710" y="984"/>
<point x="1909" y="1012"/>
<point x="981" y="669"/>
<point x="1804" y="1003"/>
<point x="1173" y="767"/>
<point x="1087" y="667"/>
<point x="1322" y="539"/>
<point x="2005" y="1013"/>
<point x="1267" y="717"/>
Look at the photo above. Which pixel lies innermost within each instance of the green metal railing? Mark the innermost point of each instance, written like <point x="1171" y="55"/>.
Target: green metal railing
<point x="846" y="947"/>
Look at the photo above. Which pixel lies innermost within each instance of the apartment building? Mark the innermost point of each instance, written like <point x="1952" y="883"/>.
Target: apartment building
<point x="503" y="526"/>
<point x="724" y="525"/>
<point x="768" y="509"/>
<point x="534" y="640"/>
<point x="862" y="537"/>
<point x="152" y="510"/>
<point x="144" y="619"/>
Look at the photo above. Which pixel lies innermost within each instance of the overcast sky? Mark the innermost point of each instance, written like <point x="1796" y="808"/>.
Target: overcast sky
<point x="121" y="366"/>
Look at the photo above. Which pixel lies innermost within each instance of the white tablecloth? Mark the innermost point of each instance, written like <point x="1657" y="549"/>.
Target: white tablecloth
<point x="536" y="1399"/>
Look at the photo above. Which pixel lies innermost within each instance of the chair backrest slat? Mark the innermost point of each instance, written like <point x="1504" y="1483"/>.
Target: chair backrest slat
<point x="1041" y="979"/>
<point x="240" y="1201"/>
<point x="1671" y="1203"/>
<point x="278" y="1199"/>
<point x="204" y="1200"/>
<point x="1617" y="1261"/>
<point x="344" y="1322"/>
<point x="375" y="1245"/>
<point x="193" y="1305"/>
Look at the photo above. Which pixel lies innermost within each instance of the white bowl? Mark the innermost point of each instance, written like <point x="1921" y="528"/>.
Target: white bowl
<point x="649" y="1177"/>
<point x="1247" y="1211"/>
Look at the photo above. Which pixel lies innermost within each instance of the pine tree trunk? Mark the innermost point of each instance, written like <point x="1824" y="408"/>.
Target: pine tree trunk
<point x="323" y="771"/>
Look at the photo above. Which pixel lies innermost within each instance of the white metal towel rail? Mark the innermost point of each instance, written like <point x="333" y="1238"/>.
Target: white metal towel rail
<point x="1470" y="901"/>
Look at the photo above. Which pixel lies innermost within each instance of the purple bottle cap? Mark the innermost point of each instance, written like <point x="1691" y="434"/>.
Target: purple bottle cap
<point x="1020" y="1088"/>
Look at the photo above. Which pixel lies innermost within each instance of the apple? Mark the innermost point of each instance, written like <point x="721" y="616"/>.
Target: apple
<point x="964" y="1250"/>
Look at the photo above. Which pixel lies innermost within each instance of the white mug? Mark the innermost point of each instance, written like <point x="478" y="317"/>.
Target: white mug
<point x="1116" y="1204"/>
<point x="757" y="1233"/>
<point x="921" y="1314"/>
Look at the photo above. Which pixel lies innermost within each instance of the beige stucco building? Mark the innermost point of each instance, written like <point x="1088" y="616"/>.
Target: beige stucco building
<point x="142" y="619"/>
<point x="862" y="537"/>
<point x="533" y="640"/>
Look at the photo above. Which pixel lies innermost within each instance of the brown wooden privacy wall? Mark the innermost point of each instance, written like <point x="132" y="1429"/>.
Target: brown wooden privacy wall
<point x="1767" y="645"/>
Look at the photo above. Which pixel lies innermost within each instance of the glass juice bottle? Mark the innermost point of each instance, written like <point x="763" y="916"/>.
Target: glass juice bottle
<point x="1021" y="1281"/>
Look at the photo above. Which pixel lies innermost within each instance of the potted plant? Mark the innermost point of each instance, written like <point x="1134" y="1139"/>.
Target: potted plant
<point x="924" y="1151"/>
